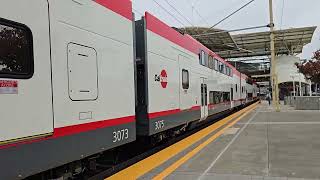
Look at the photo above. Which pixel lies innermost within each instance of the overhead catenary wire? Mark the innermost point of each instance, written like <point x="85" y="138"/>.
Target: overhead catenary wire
<point x="167" y="11"/>
<point x="282" y="12"/>
<point x="234" y="30"/>
<point x="175" y="9"/>
<point x="234" y="12"/>
<point x="281" y="23"/>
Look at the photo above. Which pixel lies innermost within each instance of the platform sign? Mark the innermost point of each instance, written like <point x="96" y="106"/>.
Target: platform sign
<point x="8" y="87"/>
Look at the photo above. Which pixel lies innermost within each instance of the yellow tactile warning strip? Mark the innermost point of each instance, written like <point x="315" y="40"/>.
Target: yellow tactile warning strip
<point x="144" y="166"/>
<point x="189" y="155"/>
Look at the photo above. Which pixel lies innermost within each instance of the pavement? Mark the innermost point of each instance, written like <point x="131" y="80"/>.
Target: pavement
<point x="263" y="145"/>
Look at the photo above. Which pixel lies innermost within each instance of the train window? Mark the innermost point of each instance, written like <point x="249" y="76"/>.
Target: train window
<point x="231" y="72"/>
<point x="216" y="65"/>
<point x="236" y="87"/>
<point x="224" y="69"/>
<point x="221" y="67"/>
<point x="226" y="96"/>
<point x="16" y="52"/>
<point x="185" y="79"/>
<point x="203" y="58"/>
<point x="211" y="97"/>
<point x="215" y="97"/>
<point x="210" y="62"/>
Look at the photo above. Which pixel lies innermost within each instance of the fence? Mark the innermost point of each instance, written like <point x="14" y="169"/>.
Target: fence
<point x="303" y="102"/>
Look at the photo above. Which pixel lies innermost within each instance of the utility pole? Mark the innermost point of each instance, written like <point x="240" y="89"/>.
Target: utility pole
<point x="274" y="79"/>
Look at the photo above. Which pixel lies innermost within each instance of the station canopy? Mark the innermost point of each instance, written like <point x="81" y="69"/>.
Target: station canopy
<point x="287" y="41"/>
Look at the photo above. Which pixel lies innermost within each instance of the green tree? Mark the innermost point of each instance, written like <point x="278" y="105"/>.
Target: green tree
<point x="311" y="68"/>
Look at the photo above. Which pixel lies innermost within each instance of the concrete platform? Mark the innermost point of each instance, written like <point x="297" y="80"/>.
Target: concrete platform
<point x="264" y="145"/>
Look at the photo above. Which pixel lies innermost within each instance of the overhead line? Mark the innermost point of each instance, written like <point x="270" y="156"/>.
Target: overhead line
<point x="203" y="19"/>
<point x="234" y="30"/>
<point x="282" y="11"/>
<point x="234" y="12"/>
<point x="169" y="13"/>
<point x="185" y="18"/>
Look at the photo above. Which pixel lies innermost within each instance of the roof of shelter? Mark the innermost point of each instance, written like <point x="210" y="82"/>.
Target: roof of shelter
<point x="287" y="41"/>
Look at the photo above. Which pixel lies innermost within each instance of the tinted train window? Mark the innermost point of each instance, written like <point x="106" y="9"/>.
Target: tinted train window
<point x="221" y="67"/>
<point x="226" y="96"/>
<point x="203" y="58"/>
<point x="16" y="52"/>
<point x="215" y="97"/>
<point x="216" y="65"/>
<point x="185" y="79"/>
<point x="227" y="71"/>
<point x="211" y="63"/>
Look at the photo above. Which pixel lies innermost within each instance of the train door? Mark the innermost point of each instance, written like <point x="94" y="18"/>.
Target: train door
<point x="204" y="99"/>
<point x="25" y="71"/>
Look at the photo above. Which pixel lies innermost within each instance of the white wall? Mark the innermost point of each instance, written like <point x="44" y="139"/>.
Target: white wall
<point x="286" y="68"/>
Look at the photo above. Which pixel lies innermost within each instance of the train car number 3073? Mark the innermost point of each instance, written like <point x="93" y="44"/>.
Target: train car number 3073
<point x="120" y="135"/>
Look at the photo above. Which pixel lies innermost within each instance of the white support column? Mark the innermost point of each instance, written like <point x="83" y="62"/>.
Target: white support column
<point x="300" y="87"/>
<point x="310" y="88"/>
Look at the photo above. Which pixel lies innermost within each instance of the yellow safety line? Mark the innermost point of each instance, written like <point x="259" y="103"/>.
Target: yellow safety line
<point x="189" y="155"/>
<point x="142" y="167"/>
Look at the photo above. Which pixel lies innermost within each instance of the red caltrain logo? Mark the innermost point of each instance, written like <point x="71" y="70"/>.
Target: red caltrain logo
<point x="162" y="78"/>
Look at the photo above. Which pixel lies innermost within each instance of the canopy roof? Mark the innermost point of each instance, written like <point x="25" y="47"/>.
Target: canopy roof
<point x="287" y="41"/>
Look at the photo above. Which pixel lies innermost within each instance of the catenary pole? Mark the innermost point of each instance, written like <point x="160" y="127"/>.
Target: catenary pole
<point x="275" y="96"/>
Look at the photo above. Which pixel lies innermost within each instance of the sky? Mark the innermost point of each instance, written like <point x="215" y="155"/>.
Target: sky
<point x="287" y="14"/>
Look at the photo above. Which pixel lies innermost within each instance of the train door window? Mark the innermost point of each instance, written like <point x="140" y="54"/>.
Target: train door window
<point x="211" y="63"/>
<point x="185" y="79"/>
<point x="231" y="72"/>
<point x="16" y="52"/>
<point x="202" y="94"/>
<point x="82" y="72"/>
<point x="205" y="94"/>
<point x="231" y="94"/>
<point x="203" y="58"/>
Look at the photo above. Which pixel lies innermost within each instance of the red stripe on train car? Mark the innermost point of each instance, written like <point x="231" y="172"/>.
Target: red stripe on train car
<point x="122" y="7"/>
<point x="185" y="41"/>
<point x="195" y="107"/>
<point x="76" y="129"/>
<point x="169" y="112"/>
<point x="163" y="113"/>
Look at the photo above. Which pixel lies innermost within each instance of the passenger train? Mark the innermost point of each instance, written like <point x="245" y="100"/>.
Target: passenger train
<point x="80" y="77"/>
